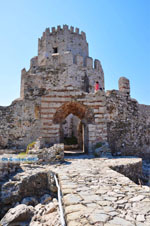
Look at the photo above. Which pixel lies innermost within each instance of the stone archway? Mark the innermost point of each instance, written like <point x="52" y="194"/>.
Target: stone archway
<point x="89" y="108"/>
<point x="84" y="113"/>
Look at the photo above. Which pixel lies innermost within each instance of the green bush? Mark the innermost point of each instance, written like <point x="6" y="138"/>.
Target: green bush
<point x="70" y="140"/>
<point x="98" y="145"/>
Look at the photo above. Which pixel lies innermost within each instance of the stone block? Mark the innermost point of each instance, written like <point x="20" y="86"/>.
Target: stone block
<point x="97" y="65"/>
<point x="79" y="60"/>
<point x="89" y="62"/>
<point x="102" y="110"/>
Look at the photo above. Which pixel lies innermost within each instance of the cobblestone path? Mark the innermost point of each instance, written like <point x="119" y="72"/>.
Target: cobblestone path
<point x="94" y="194"/>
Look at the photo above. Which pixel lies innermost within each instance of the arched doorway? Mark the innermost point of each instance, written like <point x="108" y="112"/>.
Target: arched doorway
<point x="73" y="119"/>
<point x="71" y="134"/>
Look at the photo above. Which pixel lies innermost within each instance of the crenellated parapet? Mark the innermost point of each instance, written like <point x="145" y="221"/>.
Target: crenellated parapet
<point x="67" y="59"/>
<point x="23" y="76"/>
<point x="60" y="40"/>
<point x="124" y="85"/>
<point x="62" y="30"/>
<point x="34" y="62"/>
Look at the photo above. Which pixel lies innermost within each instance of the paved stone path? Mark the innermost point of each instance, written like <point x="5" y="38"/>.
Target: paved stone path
<point x="94" y="194"/>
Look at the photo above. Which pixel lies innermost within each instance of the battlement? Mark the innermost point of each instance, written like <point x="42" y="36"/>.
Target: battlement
<point x="67" y="59"/>
<point x="64" y="28"/>
<point x="60" y="40"/>
<point x="124" y="85"/>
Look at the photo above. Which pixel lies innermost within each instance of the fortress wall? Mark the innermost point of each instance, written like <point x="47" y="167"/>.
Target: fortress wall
<point x="34" y="62"/>
<point x="128" y="125"/>
<point x="144" y="113"/>
<point x="25" y="120"/>
<point x="67" y="58"/>
<point x="20" y="124"/>
<point x="60" y="71"/>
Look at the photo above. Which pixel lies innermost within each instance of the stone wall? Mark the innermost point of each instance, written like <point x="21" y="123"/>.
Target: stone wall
<point x="60" y="40"/>
<point x="30" y="184"/>
<point x="50" y="155"/>
<point x="19" y="123"/>
<point x="60" y="70"/>
<point x="7" y="168"/>
<point x="129" y="167"/>
<point x="26" y="120"/>
<point x="128" y="125"/>
<point x="88" y="107"/>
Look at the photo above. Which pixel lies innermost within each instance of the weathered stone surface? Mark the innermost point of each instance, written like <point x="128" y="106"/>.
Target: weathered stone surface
<point x="29" y="201"/>
<point x="26" y="187"/>
<point x="137" y="199"/>
<point x="120" y="221"/>
<point x="103" y="151"/>
<point x="51" y="208"/>
<point x="71" y="199"/>
<point x="128" y="124"/>
<point x="7" y="168"/>
<point x="120" y="202"/>
<point x="20" y="213"/>
<point x="107" y="197"/>
<point x="45" y="198"/>
<point x="98" y="217"/>
<point x="49" y="155"/>
<point x="140" y="218"/>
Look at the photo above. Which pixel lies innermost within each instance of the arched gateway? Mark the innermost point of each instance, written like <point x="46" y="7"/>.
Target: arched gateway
<point x="89" y="110"/>
<point x="79" y="123"/>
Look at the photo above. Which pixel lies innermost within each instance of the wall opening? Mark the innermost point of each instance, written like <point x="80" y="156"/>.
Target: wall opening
<point x="84" y="115"/>
<point x="72" y="135"/>
<point x="55" y="50"/>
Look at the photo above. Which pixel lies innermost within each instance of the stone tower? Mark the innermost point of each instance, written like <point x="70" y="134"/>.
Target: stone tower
<point x="63" y="75"/>
<point x="64" y="54"/>
<point x="60" y="41"/>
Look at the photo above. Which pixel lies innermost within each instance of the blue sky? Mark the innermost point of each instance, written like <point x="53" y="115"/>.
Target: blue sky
<point x="118" y="33"/>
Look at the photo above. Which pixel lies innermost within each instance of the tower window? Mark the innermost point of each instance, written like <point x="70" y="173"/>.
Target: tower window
<point x="55" y="50"/>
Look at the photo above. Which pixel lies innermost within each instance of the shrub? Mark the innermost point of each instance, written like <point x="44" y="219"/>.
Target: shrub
<point x="98" y="145"/>
<point x="70" y="140"/>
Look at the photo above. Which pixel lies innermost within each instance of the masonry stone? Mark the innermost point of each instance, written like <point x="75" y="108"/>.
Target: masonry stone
<point x="57" y="101"/>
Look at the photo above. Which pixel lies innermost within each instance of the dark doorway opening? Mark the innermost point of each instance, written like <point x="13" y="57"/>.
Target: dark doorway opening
<point x="72" y="134"/>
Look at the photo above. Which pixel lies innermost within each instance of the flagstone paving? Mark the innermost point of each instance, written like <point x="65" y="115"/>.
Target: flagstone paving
<point x="94" y="194"/>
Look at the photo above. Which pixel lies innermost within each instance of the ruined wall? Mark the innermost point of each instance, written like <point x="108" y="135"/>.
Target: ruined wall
<point x="144" y="129"/>
<point x="60" y="70"/>
<point x="128" y="125"/>
<point x="7" y="168"/>
<point x="19" y="123"/>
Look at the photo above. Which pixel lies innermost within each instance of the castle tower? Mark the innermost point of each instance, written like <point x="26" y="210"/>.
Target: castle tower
<point x="62" y="60"/>
<point x="60" y="40"/>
